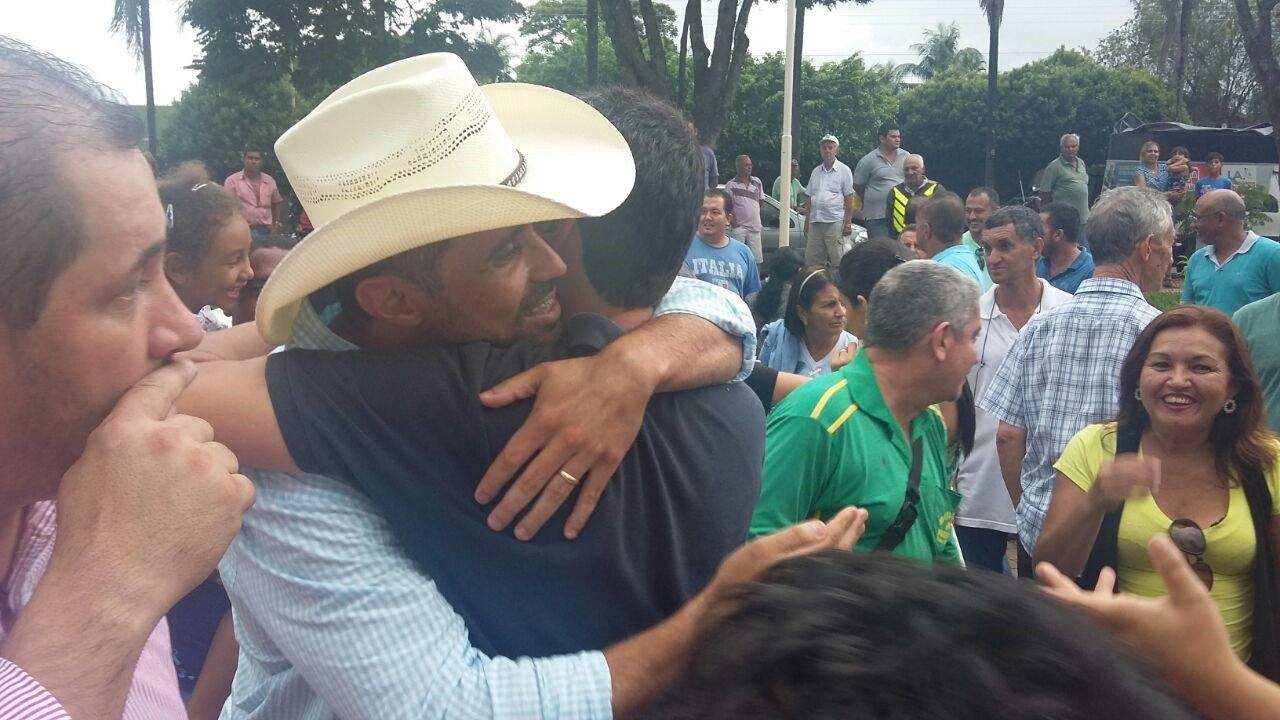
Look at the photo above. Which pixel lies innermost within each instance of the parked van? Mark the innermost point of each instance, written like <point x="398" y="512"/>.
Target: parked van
<point x="1250" y="156"/>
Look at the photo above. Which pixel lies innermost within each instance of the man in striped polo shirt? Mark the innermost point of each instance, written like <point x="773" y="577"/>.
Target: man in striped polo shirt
<point x="869" y="435"/>
<point x="748" y="193"/>
<point x="111" y="506"/>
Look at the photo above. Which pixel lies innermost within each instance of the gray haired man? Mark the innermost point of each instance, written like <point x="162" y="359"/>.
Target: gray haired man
<point x="1065" y="178"/>
<point x="1063" y="371"/>
<point x="830" y="215"/>
<point x="868" y="435"/>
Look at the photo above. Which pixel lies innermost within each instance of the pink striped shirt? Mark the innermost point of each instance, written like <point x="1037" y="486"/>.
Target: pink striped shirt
<point x="257" y="202"/>
<point x="154" y="692"/>
<point x="22" y="698"/>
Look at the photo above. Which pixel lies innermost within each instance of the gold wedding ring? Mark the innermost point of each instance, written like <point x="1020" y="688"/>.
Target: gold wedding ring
<point x="569" y="478"/>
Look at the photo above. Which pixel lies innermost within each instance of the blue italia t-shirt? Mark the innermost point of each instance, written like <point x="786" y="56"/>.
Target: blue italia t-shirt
<point x="732" y="267"/>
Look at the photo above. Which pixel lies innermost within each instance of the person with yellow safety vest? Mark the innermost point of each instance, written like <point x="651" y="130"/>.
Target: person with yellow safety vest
<point x="898" y="209"/>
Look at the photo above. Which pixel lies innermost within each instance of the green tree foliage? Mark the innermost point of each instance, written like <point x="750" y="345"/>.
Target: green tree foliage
<point x="132" y="19"/>
<point x="940" y="51"/>
<point x="1219" y="84"/>
<point x="214" y="124"/>
<point x="565" y="67"/>
<point x="1039" y="102"/>
<point x="716" y="59"/>
<point x="549" y="24"/>
<point x="556" y="56"/>
<point x="845" y="99"/>
<point x="265" y="63"/>
<point x="320" y="44"/>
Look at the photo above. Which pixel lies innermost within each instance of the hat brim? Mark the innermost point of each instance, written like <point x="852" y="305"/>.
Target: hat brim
<point x="578" y="165"/>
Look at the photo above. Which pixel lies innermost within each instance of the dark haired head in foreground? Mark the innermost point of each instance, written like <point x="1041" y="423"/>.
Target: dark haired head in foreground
<point x="871" y="635"/>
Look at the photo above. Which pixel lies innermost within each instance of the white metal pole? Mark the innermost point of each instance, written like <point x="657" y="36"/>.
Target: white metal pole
<point x="784" y="199"/>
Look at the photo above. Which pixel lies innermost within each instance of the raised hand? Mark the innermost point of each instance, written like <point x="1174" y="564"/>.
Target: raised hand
<point x="150" y="507"/>
<point x="1125" y="477"/>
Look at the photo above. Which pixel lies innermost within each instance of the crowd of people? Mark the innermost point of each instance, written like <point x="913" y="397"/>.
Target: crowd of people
<point x="490" y="442"/>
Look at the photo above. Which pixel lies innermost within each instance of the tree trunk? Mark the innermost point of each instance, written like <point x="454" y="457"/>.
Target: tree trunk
<point x="716" y="71"/>
<point x="1170" y="35"/>
<point x="684" y="54"/>
<point x="593" y="43"/>
<point x="795" y="80"/>
<point x="647" y="73"/>
<point x="1180" y="61"/>
<point x="993" y="55"/>
<point x="1256" y="32"/>
<point x="153" y="142"/>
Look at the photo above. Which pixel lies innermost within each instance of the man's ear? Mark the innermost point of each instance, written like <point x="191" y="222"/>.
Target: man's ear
<point x="938" y="341"/>
<point x="1144" y="245"/>
<point x="392" y="299"/>
<point x="1038" y="244"/>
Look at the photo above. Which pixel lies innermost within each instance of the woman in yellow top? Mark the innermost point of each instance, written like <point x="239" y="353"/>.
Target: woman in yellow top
<point x="1189" y="455"/>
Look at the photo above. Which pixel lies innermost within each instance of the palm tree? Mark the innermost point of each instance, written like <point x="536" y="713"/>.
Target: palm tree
<point x="133" y="19"/>
<point x="940" y="51"/>
<point x="994" y="10"/>
<point x="492" y="54"/>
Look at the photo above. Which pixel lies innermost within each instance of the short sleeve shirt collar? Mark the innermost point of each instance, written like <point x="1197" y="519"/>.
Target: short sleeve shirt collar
<point x="1076" y="265"/>
<point x="864" y="391"/>
<point x="1210" y="251"/>
<point x="1116" y="286"/>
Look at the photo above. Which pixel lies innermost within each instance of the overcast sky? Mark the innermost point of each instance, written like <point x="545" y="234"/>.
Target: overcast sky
<point x="77" y="30"/>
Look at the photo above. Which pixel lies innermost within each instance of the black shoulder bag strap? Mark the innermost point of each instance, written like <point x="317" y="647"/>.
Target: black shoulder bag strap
<point x="1106" y="547"/>
<point x="897" y="532"/>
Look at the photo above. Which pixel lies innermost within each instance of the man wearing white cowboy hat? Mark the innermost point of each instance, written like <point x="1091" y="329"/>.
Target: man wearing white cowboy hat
<point x="634" y="559"/>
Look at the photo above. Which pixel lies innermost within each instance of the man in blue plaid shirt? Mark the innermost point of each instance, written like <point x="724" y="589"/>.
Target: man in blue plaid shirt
<point x="1063" y="371"/>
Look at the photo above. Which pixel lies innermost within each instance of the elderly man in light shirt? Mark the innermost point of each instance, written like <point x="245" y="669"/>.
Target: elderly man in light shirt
<point x="1063" y="371"/>
<point x="830" y="215"/>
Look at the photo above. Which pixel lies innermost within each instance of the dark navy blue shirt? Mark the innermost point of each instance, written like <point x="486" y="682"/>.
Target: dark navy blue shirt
<point x="1068" y="280"/>
<point x="406" y="428"/>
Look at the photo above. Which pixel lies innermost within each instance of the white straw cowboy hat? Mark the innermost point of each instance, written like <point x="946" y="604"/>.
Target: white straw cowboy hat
<point x="415" y="152"/>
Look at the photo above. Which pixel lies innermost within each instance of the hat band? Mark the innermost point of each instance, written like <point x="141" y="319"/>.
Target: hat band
<point x="428" y="150"/>
<point x="518" y="174"/>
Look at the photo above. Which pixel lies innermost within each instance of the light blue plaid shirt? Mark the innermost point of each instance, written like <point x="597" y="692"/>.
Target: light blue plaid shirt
<point x="335" y="621"/>
<point x="1063" y="373"/>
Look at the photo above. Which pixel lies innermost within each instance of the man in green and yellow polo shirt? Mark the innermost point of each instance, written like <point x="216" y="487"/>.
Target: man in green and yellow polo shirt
<point x="849" y="438"/>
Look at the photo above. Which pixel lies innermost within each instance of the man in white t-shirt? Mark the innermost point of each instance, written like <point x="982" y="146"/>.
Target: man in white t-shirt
<point x="1013" y="238"/>
<point x="830" y="215"/>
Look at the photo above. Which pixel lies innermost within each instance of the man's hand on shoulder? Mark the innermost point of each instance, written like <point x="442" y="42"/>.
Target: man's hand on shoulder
<point x="587" y="414"/>
<point x="589" y="411"/>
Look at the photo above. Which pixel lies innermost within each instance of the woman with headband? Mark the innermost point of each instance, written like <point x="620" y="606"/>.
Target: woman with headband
<point x="207" y="262"/>
<point x="812" y="330"/>
<point x="208" y="247"/>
